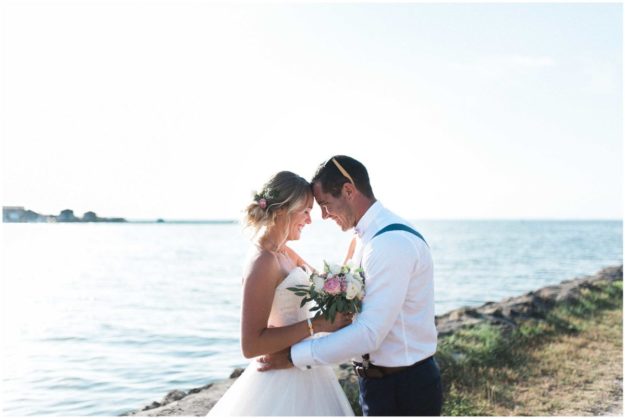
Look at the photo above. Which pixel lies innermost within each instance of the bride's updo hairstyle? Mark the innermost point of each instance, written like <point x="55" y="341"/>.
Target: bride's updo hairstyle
<point x="284" y="190"/>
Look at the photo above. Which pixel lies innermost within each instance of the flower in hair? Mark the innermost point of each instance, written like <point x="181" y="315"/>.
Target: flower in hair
<point x="265" y="196"/>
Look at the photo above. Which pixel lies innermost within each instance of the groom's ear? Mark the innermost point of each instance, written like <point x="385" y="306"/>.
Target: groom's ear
<point x="349" y="190"/>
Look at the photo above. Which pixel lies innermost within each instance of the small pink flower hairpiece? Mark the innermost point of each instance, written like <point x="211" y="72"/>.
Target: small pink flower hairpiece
<point x="261" y="198"/>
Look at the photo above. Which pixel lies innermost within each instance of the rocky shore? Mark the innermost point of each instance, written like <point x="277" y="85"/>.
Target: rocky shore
<point x="505" y="314"/>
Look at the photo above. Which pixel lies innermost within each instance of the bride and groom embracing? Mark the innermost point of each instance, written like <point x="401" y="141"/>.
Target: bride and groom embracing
<point x="291" y="375"/>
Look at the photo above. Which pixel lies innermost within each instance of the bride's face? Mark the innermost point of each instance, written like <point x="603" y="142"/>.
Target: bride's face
<point x="299" y="218"/>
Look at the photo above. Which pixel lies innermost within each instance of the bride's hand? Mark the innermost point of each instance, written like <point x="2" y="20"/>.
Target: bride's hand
<point x="320" y="324"/>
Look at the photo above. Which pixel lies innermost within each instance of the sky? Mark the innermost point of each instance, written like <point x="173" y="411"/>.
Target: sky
<point x="181" y="109"/>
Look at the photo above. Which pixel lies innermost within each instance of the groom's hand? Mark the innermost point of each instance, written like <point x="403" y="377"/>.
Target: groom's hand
<point x="276" y="361"/>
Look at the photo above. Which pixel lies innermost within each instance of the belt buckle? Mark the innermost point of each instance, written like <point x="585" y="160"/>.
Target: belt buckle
<point x="359" y="369"/>
<point x="367" y="371"/>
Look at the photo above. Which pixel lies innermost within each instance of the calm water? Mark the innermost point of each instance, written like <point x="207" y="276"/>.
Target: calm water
<point x="99" y="319"/>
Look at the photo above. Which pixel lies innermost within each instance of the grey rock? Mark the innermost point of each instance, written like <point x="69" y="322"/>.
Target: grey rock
<point x="197" y="404"/>
<point x="237" y="372"/>
<point x="198" y="389"/>
<point x="173" y="396"/>
<point x="154" y="405"/>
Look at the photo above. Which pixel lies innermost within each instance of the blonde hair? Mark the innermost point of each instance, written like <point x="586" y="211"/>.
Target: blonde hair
<point x="284" y="190"/>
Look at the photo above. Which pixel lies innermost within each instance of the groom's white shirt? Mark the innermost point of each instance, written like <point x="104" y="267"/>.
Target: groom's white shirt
<point x="396" y="325"/>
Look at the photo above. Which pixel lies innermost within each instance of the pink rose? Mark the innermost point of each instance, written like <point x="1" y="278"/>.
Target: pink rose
<point x="332" y="286"/>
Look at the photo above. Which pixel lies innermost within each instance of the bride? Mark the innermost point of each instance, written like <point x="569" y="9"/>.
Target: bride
<point x="272" y="319"/>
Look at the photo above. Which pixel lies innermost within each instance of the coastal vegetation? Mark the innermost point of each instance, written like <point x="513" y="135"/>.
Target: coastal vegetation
<point x="569" y="362"/>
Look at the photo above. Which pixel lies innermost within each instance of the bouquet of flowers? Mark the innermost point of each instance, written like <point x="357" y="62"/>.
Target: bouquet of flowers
<point x="339" y="289"/>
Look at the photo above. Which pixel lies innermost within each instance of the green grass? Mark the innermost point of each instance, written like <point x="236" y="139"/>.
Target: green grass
<point x="485" y="367"/>
<point x="480" y="366"/>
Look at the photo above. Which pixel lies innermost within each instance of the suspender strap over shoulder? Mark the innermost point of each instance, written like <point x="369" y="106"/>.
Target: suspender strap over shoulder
<point x="399" y="227"/>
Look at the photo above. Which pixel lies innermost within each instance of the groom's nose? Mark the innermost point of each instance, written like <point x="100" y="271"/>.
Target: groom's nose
<point x="324" y="213"/>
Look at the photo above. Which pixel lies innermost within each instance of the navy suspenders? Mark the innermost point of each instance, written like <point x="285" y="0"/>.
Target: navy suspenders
<point x="399" y="227"/>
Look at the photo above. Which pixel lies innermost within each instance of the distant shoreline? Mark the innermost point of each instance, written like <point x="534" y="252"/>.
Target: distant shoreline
<point x="21" y="215"/>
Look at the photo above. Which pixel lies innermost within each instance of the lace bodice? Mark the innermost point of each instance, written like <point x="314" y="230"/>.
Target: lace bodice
<point x="286" y="309"/>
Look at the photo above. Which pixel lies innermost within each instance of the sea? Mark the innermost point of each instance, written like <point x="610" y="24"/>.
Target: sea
<point x="104" y="318"/>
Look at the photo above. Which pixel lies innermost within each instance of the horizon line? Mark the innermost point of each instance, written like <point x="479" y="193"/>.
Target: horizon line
<point x="234" y="220"/>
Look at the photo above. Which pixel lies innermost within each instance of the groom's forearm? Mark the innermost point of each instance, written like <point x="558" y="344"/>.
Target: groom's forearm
<point x="364" y="335"/>
<point x="340" y="346"/>
<point x="301" y="355"/>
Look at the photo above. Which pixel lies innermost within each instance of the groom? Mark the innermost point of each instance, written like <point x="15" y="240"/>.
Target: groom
<point x="395" y="335"/>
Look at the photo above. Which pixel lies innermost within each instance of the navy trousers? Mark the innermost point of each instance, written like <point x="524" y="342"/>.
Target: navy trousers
<point x="415" y="391"/>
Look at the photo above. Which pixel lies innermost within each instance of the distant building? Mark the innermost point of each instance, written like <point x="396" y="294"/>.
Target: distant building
<point x="90" y="217"/>
<point x="67" y="216"/>
<point x="31" y="217"/>
<point x="13" y="214"/>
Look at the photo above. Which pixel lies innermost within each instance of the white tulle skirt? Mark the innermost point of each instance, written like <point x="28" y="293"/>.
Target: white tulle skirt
<point x="289" y="392"/>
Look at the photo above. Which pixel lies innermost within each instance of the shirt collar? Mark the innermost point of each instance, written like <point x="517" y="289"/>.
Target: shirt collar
<point x="367" y="219"/>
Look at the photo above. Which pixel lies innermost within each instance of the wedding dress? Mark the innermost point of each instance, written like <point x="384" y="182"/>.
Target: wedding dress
<point x="286" y="392"/>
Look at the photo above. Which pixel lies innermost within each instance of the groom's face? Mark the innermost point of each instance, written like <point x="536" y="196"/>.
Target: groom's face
<point x="336" y="208"/>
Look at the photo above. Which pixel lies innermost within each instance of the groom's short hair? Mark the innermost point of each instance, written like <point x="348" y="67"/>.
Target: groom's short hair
<point x="332" y="180"/>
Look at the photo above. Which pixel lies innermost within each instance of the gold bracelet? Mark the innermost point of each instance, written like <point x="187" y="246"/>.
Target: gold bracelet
<point x="310" y="328"/>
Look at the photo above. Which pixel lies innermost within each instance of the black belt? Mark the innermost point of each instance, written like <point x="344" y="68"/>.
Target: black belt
<point x="376" y="371"/>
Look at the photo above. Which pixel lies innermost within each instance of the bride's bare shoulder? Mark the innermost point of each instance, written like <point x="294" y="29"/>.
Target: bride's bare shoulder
<point x="264" y="264"/>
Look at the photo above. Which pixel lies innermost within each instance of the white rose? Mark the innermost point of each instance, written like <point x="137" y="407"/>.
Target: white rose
<point x="318" y="283"/>
<point x="355" y="278"/>
<point x="352" y="290"/>
<point x="359" y="284"/>
<point x="354" y="286"/>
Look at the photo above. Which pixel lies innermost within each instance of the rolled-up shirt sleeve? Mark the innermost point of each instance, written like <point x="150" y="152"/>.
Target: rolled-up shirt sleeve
<point x="389" y="262"/>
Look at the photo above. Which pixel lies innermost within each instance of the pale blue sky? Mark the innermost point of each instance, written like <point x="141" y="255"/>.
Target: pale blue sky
<point x="179" y="109"/>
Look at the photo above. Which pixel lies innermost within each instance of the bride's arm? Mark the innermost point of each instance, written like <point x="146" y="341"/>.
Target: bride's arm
<point x="258" y="291"/>
<point x="350" y="251"/>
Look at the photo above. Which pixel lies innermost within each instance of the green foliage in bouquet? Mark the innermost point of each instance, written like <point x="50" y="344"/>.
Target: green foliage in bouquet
<point x="339" y="289"/>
